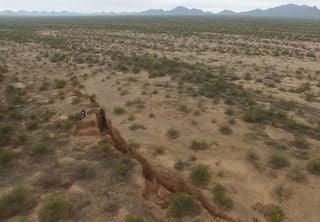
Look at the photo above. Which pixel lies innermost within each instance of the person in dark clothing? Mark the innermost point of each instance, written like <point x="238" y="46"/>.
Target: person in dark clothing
<point x="82" y="114"/>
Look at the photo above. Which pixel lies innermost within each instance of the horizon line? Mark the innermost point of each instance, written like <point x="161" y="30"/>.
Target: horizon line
<point x="128" y="12"/>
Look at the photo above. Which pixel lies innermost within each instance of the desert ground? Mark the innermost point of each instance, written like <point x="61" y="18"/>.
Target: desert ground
<point x="229" y="107"/>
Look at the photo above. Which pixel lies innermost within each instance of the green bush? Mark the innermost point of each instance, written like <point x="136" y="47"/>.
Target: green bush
<point x="123" y="166"/>
<point x="5" y="157"/>
<point x="60" y="84"/>
<point x="199" y="145"/>
<point x="200" y="174"/>
<point x="274" y="213"/>
<point x="1" y="77"/>
<point x="14" y="114"/>
<point x="31" y="124"/>
<point x="221" y="198"/>
<point x="158" y="150"/>
<point x="279" y="160"/>
<point x="181" y="204"/>
<point x="118" y="110"/>
<point x="74" y="117"/>
<point x="5" y="128"/>
<point x="314" y="166"/>
<point x="40" y="148"/>
<point x="133" y="218"/>
<point x="18" y="99"/>
<point x="21" y="137"/>
<point x="172" y="133"/>
<point x="15" y="200"/>
<point x="56" y="208"/>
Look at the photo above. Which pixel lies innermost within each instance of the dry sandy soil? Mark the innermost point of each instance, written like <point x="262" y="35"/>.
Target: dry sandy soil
<point x="268" y="166"/>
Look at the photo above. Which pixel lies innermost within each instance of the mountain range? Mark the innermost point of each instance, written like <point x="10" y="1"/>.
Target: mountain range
<point x="288" y="11"/>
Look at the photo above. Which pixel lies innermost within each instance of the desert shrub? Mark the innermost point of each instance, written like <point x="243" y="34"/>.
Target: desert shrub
<point x="17" y="199"/>
<point x="275" y="117"/>
<point x="18" y="99"/>
<point x="229" y="111"/>
<point x="5" y="157"/>
<point x="57" y="57"/>
<point x="273" y="213"/>
<point x="82" y="171"/>
<point x="75" y="100"/>
<point x="158" y="150"/>
<point x="199" y="145"/>
<point x="133" y="218"/>
<point x="10" y="90"/>
<point x="221" y="198"/>
<point x="152" y="115"/>
<point x="279" y="160"/>
<point x="181" y="204"/>
<point x="105" y="147"/>
<point x="253" y="158"/>
<point x="118" y="110"/>
<point x="40" y="148"/>
<point x="282" y="192"/>
<point x="184" y="109"/>
<point x="172" y="133"/>
<point x="136" y="126"/>
<point x="278" y="144"/>
<point x="300" y="141"/>
<point x="123" y="166"/>
<point x="31" y="124"/>
<point x="15" y="114"/>
<point x="200" y="174"/>
<point x="255" y="115"/>
<point x="225" y="129"/>
<point x="296" y="175"/>
<point x="180" y="165"/>
<point x="59" y="83"/>
<point x="4" y="139"/>
<point x="21" y="137"/>
<point x="314" y="166"/>
<point x="138" y="103"/>
<point x="1" y="77"/>
<point x="73" y="117"/>
<point x="56" y="208"/>
<point x="5" y="128"/>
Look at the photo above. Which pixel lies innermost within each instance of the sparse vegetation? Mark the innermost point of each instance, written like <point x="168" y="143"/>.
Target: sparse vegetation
<point x="56" y="207"/>
<point x="181" y="204"/>
<point x="200" y="174"/>
<point x="221" y="198"/>
<point x="253" y="158"/>
<point x="225" y="129"/>
<point x="314" y="166"/>
<point x="118" y="110"/>
<point x="199" y="145"/>
<point x="173" y="133"/>
<point x="40" y="148"/>
<point x="279" y="160"/>
<point x="133" y="218"/>
<point x="15" y="200"/>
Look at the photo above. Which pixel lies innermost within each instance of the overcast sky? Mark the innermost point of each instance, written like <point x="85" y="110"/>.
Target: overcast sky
<point x="140" y="5"/>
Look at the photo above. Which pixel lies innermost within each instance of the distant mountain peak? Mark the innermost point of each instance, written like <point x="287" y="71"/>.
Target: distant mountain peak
<point x="288" y="10"/>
